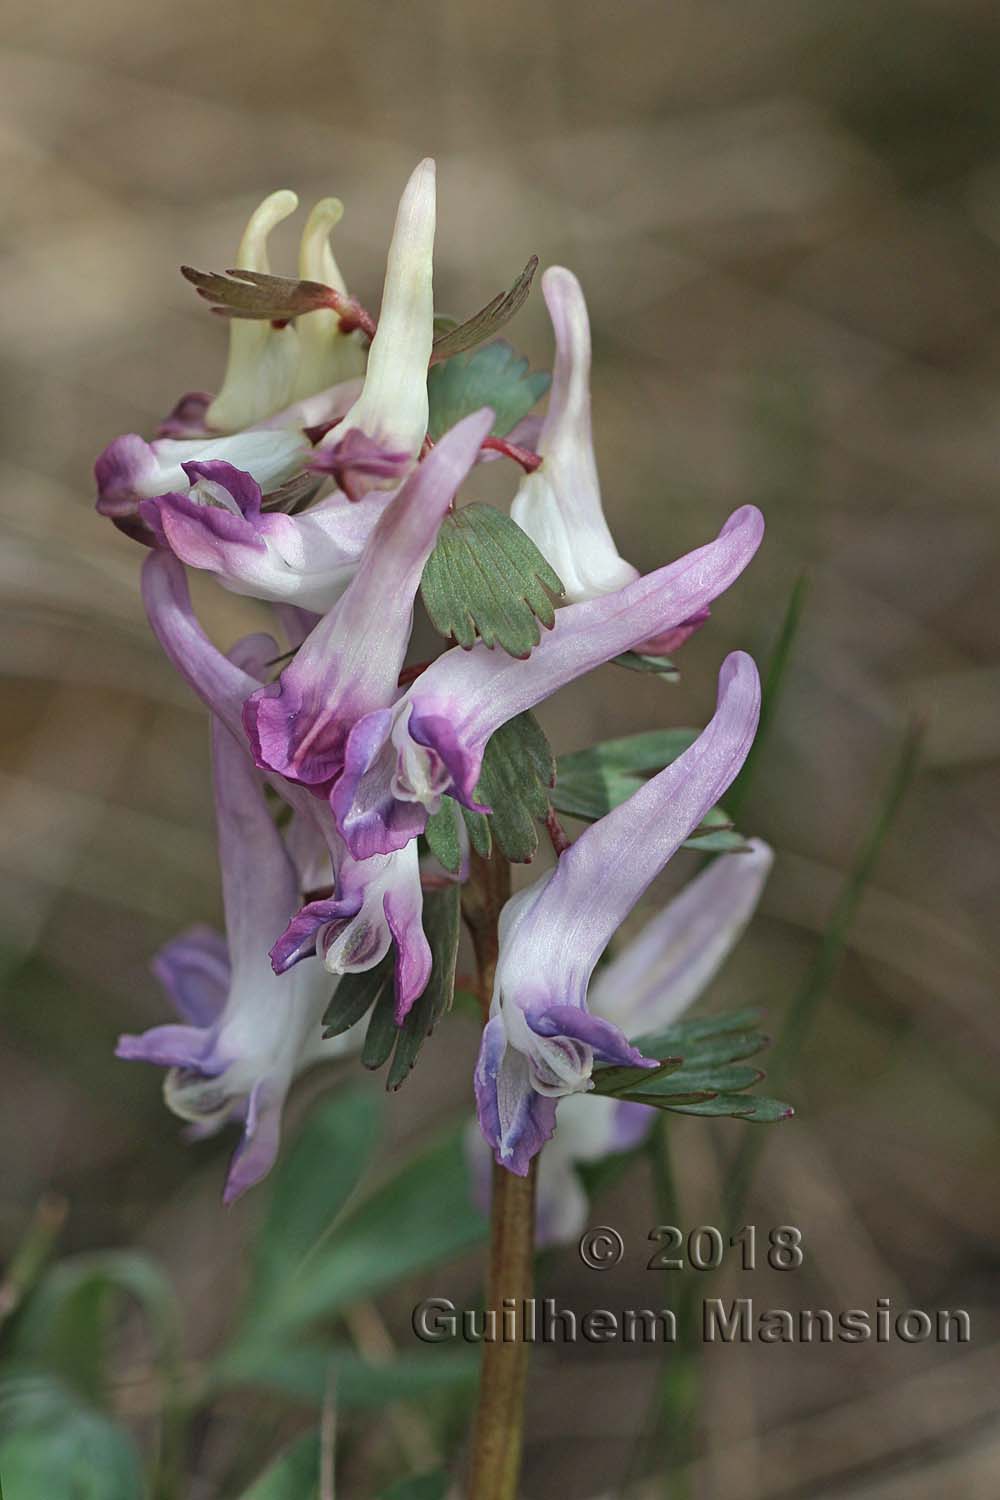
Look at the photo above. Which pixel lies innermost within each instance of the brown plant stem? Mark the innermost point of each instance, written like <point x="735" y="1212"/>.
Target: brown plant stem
<point x="497" y="1436"/>
<point x="482" y="902"/>
<point x="496" y="1443"/>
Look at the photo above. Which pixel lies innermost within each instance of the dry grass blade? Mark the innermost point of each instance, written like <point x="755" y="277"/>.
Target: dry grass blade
<point x="488" y="320"/>
<point x="257" y="295"/>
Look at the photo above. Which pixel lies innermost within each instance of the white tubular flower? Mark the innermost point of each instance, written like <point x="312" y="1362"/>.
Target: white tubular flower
<point x="261" y="371"/>
<point x="381" y="436"/>
<point x="327" y="355"/>
<point x="559" y="505"/>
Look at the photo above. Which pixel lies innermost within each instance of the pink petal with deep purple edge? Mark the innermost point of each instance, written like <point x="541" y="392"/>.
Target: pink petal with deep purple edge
<point x="552" y="934"/>
<point x="465" y="696"/>
<point x="349" y="665"/>
<point x="668" y="965"/>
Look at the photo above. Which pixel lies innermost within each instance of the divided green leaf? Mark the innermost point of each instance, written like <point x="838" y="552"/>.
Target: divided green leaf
<point x="612" y="1079"/>
<point x="442" y="924"/>
<point x="591" y="782"/>
<point x="493" y="375"/>
<point x="486" y="579"/>
<point x="374" y="990"/>
<point x="515" y="781"/>
<point x="702" y="1070"/>
<point x="355" y="995"/>
<point x="477" y="826"/>
<point x="442" y="836"/>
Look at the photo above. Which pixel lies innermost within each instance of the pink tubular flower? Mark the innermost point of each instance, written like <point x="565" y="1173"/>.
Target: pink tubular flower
<point x="541" y="1040"/>
<point x="646" y="987"/>
<point x="218" y="525"/>
<point x="376" y="902"/>
<point x="559" y="505"/>
<point x="246" y="1032"/>
<point x="349" y="665"/>
<point x="272" y="367"/>
<point x="399" y="762"/>
<point x="380" y="438"/>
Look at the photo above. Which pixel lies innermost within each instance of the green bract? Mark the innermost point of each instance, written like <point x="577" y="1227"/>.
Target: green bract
<point x="494" y="375"/>
<point x="487" y="579"/>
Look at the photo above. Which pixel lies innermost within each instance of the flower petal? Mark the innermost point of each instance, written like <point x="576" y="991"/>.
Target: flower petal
<point x="326" y="354"/>
<point x="602" y="875"/>
<point x="260" y="373"/>
<point x="559" y="505"/>
<point x="349" y="665"/>
<point x="514" y="1119"/>
<point x="447" y="717"/>
<point x="392" y="408"/>
<point x="193" y="969"/>
<point x="663" y="971"/>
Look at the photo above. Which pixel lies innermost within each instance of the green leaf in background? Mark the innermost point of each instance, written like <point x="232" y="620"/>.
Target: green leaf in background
<point x="65" y="1323"/>
<point x="517" y="774"/>
<point x="419" y="1216"/>
<point x="317" y="1176"/>
<point x="486" y="579"/>
<point x="649" y="750"/>
<point x="55" y="1447"/>
<point x="659" y="666"/>
<point x="488" y="321"/>
<point x="302" y="1371"/>
<point x="422" y="1487"/>
<point x="294" y="1474"/>
<point x="591" y="782"/>
<point x="493" y="375"/>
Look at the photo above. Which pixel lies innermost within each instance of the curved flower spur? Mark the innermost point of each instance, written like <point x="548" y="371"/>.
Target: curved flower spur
<point x="348" y="667"/>
<point x="362" y="762"/>
<point x="541" y="1040"/>
<point x="646" y="987"/>
<point x="399" y="762"/>
<point x="281" y="379"/>
<point x="376" y="903"/>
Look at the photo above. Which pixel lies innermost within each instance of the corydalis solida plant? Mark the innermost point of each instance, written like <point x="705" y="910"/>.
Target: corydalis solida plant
<point x="325" y="478"/>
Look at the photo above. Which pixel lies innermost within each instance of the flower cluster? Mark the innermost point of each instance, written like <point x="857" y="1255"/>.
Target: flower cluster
<point x="313" y="481"/>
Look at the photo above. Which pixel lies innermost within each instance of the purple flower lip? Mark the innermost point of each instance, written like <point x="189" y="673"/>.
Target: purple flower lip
<point x="349" y="665"/>
<point x="358" y="458"/>
<point x="542" y="1036"/>
<point x="187" y="418"/>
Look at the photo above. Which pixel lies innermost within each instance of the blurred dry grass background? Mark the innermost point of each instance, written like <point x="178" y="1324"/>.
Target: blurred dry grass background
<point x="786" y="218"/>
